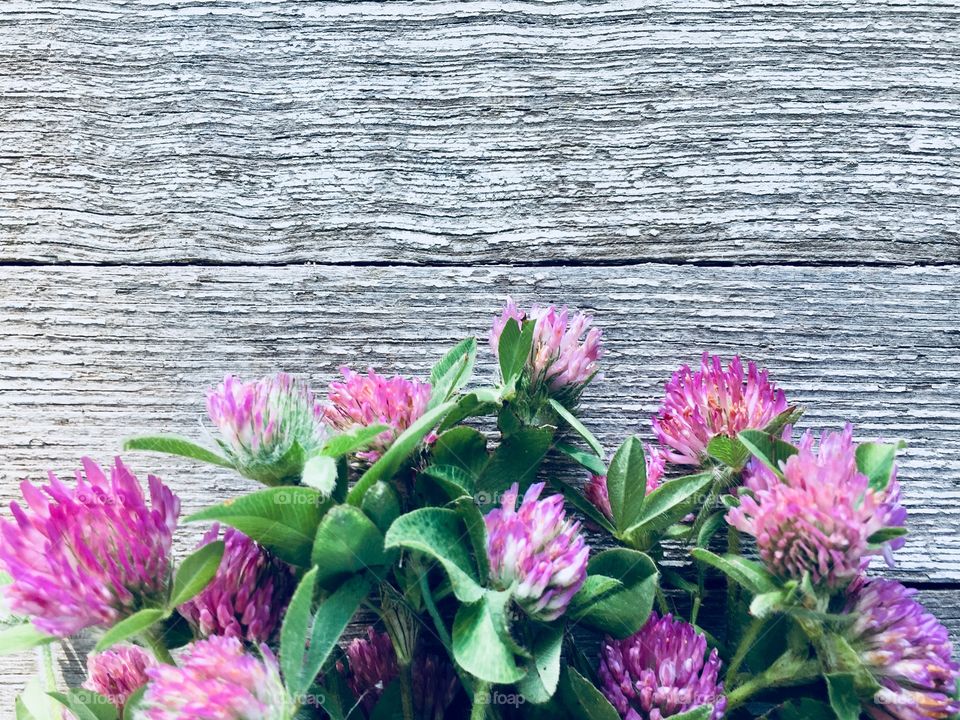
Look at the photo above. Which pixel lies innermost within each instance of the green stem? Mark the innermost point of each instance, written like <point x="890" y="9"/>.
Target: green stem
<point x="662" y="602"/>
<point x="722" y="479"/>
<point x="695" y="611"/>
<point x="465" y="679"/>
<point x="406" y="692"/>
<point x="733" y="547"/>
<point x="46" y="660"/>
<point x="481" y="700"/>
<point x="158" y="648"/>
<point x="51" y="708"/>
<point x="402" y="626"/>
<point x="434" y="613"/>
<point x="746" y="644"/>
<point x="785" y="672"/>
<point x="697" y="599"/>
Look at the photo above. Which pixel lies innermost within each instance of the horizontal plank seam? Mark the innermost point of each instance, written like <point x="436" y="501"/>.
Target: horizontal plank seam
<point x="714" y="584"/>
<point x="931" y="585"/>
<point x="553" y="263"/>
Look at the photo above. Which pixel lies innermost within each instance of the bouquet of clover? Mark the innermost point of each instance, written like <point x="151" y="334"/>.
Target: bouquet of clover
<point x="727" y="578"/>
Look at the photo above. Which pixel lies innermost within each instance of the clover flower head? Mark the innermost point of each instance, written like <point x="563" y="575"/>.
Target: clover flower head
<point x="660" y="671"/>
<point x="713" y="401"/>
<point x="821" y="516"/>
<point x="566" y="351"/>
<point x="434" y="685"/>
<point x="217" y="680"/>
<point x="537" y="551"/>
<point x="906" y="648"/>
<point x="372" y="665"/>
<point x="596" y="487"/>
<point x="118" y="673"/>
<point x="361" y="400"/>
<point x="261" y="422"/>
<point x="89" y="555"/>
<point x="247" y="597"/>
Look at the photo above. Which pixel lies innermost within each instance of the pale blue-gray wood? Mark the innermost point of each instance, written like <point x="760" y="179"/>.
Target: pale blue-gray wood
<point x="783" y="138"/>
<point x="90" y="355"/>
<point x="263" y="131"/>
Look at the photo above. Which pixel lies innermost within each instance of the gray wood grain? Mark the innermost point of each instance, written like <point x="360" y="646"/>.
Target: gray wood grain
<point x="221" y="133"/>
<point x="91" y="355"/>
<point x="228" y="131"/>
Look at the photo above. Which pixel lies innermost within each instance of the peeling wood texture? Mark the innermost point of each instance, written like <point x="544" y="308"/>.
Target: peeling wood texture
<point x="761" y="171"/>
<point x="89" y="356"/>
<point x="420" y="132"/>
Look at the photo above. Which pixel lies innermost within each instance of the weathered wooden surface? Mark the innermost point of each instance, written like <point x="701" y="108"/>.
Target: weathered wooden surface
<point x="91" y="355"/>
<point x="88" y="357"/>
<point x="258" y="131"/>
<point x="790" y="134"/>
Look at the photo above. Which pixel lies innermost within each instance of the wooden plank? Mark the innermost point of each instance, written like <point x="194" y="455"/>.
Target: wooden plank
<point x="946" y="605"/>
<point x="482" y="131"/>
<point x="90" y="355"/>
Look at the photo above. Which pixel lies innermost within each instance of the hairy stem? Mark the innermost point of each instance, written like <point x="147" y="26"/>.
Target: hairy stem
<point x="785" y="672"/>
<point x="442" y="633"/>
<point x="434" y="613"/>
<point x="46" y="661"/>
<point x="746" y="643"/>
<point x="723" y="477"/>
<point x="406" y="692"/>
<point x="733" y="547"/>
<point x="481" y="700"/>
<point x="662" y="602"/>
